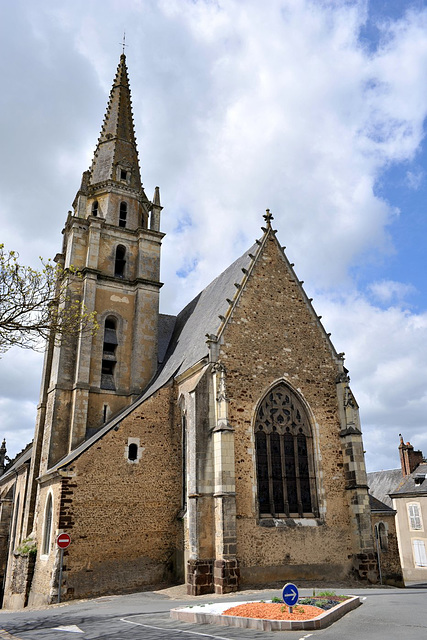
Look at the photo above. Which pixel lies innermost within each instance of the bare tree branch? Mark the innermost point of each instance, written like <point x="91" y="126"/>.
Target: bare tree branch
<point x="34" y="303"/>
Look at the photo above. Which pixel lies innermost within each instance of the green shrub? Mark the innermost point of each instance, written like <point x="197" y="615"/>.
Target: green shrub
<point x="28" y="547"/>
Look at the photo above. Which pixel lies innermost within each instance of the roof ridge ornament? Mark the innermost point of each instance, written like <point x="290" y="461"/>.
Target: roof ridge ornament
<point x="123" y="43"/>
<point x="268" y="217"/>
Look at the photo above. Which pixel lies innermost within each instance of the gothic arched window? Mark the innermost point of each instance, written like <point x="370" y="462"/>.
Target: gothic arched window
<point x="382" y="536"/>
<point x="109" y="358"/>
<point x="120" y="261"/>
<point x="123" y="212"/>
<point x="284" y="456"/>
<point x="47" y="525"/>
<point x="95" y="208"/>
<point x="14" y="537"/>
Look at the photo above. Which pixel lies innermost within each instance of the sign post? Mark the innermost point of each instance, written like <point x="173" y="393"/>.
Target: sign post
<point x="63" y="541"/>
<point x="290" y="595"/>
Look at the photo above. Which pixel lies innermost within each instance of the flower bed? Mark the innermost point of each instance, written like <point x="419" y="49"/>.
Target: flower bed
<point x="219" y="613"/>
<point x="274" y="611"/>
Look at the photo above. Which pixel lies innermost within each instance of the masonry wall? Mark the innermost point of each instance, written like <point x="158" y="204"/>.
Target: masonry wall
<point x="44" y="586"/>
<point x="122" y="515"/>
<point x="274" y="335"/>
<point x="391" y="570"/>
<point x="406" y="536"/>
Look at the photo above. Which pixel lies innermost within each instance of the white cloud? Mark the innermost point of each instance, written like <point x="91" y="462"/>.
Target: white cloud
<point x="238" y="107"/>
<point x="386" y="352"/>
<point x="20" y="372"/>
<point x="388" y="291"/>
<point x="414" y="179"/>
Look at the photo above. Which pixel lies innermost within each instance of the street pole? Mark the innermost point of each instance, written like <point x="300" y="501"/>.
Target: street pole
<point x="61" y="558"/>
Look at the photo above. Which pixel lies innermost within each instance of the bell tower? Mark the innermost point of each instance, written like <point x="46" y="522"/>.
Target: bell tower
<point x="112" y="238"/>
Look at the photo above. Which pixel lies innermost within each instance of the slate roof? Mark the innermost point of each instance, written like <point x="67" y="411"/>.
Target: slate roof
<point x="382" y="483"/>
<point x="187" y="344"/>
<point x="165" y="330"/>
<point x="414" y="484"/>
<point x="20" y="459"/>
<point x="378" y="506"/>
<point x="200" y="317"/>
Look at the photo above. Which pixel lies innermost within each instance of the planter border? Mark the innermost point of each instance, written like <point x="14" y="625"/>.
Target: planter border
<point x="212" y="614"/>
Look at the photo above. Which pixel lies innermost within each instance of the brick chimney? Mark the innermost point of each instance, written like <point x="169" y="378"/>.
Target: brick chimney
<point x="409" y="459"/>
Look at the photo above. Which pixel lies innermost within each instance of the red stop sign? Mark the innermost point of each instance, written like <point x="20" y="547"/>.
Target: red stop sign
<point x="63" y="540"/>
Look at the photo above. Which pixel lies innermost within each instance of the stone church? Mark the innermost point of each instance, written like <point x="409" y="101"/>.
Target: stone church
<point x="220" y="447"/>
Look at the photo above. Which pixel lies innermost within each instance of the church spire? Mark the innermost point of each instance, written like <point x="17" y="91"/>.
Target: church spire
<point x="116" y="155"/>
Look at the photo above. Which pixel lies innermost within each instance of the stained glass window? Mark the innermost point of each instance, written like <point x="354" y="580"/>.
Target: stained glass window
<point x="284" y="456"/>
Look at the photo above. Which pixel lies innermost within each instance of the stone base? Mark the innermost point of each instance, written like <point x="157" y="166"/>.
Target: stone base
<point x="16" y="597"/>
<point x="226" y="576"/>
<point x="199" y="577"/>
<point x="365" y="567"/>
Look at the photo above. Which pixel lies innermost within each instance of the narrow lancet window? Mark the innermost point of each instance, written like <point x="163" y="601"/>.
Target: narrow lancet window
<point x="120" y="261"/>
<point x="123" y="213"/>
<point x="47" y="534"/>
<point x="284" y="457"/>
<point x="14" y="536"/>
<point x="95" y="208"/>
<point x="109" y="357"/>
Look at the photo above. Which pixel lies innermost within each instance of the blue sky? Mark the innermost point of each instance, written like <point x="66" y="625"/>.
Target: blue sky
<point x="314" y="109"/>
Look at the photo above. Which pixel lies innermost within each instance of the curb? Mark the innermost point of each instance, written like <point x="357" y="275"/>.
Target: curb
<point x="212" y="614"/>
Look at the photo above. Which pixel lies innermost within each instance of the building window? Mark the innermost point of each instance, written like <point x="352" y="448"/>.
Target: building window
<point x="381" y="532"/>
<point x="109" y="358"/>
<point x="47" y="534"/>
<point x="95" y="208"/>
<point x="15" y="523"/>
<point x="123" y="174"/>
<point x="120" y="261"/>
<point x="420" y="557"/>
<point x="284" y="456"/>
<point x="132" y="451"/>
<point x="123" y="212"/>
<point x="414" y="514"/>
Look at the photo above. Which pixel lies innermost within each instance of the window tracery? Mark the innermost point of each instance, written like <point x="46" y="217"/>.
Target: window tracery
<point x="284" y="456"/>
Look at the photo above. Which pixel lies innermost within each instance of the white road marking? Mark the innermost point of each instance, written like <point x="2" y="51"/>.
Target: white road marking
<point x="306" y="636"/>
<point x="194" y="633"/>
<point x="72" y="628"/>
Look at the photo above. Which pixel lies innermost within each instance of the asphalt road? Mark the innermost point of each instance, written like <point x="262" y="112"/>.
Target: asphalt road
<point x="386" y="614"/>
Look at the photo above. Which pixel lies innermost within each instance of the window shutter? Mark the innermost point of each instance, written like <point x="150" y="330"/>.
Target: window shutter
<point x="414" y="517"/>
<point x="420" y="556"/>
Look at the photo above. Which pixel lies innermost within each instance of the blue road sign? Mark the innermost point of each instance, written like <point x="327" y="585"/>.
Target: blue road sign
<point x="290" y="594"/>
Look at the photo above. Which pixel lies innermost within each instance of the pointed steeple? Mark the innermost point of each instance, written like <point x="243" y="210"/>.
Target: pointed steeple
<point x="116" y="155"/>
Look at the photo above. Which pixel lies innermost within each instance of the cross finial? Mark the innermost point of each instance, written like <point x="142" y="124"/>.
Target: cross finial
<point x="268" y="217"/>
<point x="123" y="43"/>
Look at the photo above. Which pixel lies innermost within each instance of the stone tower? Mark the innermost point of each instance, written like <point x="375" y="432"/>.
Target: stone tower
<point x="112" y="238"/>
